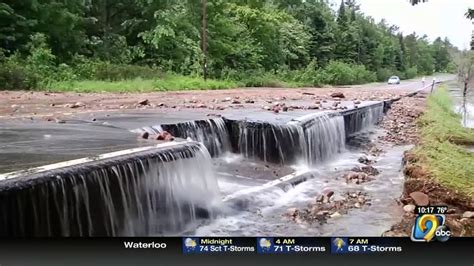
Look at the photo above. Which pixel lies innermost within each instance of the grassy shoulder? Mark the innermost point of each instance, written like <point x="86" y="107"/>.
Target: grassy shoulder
<point x="168" y="83"/>
<point x="441" y="150"/>
<point x="40" y="72"/>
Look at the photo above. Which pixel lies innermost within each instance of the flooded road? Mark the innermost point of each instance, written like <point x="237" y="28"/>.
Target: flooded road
<point x="262" y="163"/>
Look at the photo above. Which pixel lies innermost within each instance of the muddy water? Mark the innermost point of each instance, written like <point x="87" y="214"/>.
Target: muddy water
<point x="262" y="212"/>
<point x="467" y="112"/>
<point x="463" y="105"/>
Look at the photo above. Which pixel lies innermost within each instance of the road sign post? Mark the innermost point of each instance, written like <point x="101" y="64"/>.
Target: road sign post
<point x="432" y="85"/>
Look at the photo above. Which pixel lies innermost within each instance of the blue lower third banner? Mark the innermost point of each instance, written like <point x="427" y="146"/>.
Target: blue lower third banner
<point x="342" y="245"/>
<point x="218" y="245"/>
<point x="274" y="245"/>
<point x="300" y="245"/>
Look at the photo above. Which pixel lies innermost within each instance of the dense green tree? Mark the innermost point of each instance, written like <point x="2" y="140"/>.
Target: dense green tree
<point x="347" y="36"/>
<point x="244" y="36"/>
<point x="16" y="24"/>
<point x="441" y="54"/>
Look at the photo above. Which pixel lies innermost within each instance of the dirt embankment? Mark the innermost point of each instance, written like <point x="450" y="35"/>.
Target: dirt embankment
<point x="420" y="187"/>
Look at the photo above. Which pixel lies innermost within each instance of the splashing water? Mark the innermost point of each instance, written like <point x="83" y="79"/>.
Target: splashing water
<point x="262" y="211"/>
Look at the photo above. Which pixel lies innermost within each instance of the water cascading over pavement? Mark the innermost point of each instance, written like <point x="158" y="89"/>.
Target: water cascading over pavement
<point x="310" y="139"/>
<point x="362" y="118"/>
<point x="156" y="190"/>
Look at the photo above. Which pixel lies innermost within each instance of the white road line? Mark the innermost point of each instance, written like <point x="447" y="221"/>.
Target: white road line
<point x="86" y="160"/>
<point x="270" y="184"/>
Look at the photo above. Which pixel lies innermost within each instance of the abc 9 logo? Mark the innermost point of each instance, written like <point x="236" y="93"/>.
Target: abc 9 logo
<point x="442" y="233"/>
<point x="431" y="227"/>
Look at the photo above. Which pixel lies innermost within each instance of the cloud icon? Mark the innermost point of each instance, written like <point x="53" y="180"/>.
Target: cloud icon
<point x="190" y="243"/>
<point x="265" y="243"/>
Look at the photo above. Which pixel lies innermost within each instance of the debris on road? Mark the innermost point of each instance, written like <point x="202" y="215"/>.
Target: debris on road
<point x="165" y="135"/>
<point x="338" y="95"/>
<point x="144" y="102"/>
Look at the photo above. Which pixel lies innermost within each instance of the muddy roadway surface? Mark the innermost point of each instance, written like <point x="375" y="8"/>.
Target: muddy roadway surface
<point x="55" y="106"/>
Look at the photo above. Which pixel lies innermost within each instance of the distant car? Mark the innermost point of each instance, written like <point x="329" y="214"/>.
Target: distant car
<point x="394" y="80"/>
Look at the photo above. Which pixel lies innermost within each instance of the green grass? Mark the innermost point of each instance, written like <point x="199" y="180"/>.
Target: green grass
<point x="272" y="83"/>
<point x="168" y="83"/>
<point x="440" y="148"/>
<point x="270" y="80"/>
<point x="442" y="123"/>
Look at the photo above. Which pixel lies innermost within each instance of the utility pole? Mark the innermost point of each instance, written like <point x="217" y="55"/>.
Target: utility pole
<point x="204" y="37"/>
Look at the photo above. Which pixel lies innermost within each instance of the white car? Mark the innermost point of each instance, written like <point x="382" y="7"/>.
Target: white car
<point x="394" y="80"/>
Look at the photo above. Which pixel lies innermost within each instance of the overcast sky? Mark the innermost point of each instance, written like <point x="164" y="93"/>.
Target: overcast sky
<point x="444" y="18"/>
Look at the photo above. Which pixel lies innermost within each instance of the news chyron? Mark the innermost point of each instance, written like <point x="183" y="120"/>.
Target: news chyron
<point x="429" y="225"/>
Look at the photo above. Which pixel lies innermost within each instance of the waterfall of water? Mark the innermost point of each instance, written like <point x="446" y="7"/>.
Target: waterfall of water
<point x="268" y="142"/>
<point x="211" y="132"/>
<point x="323" y="138"/>
<point x="148" y="191"/>
<point x="363" y="118"/>
<point x="312" y="139"/>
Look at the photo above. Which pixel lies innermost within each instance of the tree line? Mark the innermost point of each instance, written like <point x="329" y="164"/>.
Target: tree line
<point x="295" y="40"/>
